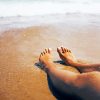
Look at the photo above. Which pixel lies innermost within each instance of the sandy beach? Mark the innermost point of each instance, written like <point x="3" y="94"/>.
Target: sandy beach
<point x="20" y="78"/>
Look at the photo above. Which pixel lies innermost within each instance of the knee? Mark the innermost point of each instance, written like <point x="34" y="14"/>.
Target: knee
<point x="88" y="79"/>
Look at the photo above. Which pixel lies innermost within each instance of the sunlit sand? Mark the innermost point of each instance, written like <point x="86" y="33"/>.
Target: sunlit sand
<point x="20" y="78"/>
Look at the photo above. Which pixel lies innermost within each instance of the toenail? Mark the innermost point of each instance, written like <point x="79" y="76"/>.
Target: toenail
<point x="59" y="48"/>
<point x="50" y="49"/>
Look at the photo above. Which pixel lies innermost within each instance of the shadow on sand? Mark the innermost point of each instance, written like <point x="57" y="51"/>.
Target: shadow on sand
<point x="57" y="93"/>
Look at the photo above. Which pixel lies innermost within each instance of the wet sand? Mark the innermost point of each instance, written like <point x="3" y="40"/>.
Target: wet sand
<point x="20" y="78"/>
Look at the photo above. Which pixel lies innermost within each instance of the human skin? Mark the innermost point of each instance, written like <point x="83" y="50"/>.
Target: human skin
<point x="67" y="56"/>
<point x="84" y="85"/>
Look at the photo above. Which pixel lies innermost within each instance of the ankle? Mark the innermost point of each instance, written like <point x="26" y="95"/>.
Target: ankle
<point x="50" y="66"/>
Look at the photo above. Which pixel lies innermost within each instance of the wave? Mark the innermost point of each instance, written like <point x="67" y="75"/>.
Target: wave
<point x="47" y="7"/>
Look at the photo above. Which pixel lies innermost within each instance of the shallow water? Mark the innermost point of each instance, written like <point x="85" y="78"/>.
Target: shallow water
<point x="79" y="32"/>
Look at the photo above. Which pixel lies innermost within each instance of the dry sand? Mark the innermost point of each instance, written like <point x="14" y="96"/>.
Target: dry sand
<point x="20" y="79"/>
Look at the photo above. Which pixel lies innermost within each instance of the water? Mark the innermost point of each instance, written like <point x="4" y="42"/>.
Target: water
<point x="26" y="13"/>
<point x="45" y="7"/>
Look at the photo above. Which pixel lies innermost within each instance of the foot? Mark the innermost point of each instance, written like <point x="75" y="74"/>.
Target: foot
<point x="45" y="59"/>
<point x="66" y="55"/>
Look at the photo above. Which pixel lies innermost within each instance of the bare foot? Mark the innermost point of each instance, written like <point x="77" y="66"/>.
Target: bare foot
<point x="45" y="59"/>
<point x="66" y="55"/>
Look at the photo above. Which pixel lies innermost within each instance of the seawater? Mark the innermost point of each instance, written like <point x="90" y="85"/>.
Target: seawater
<point x="24" y="13"/>
<point x="45" y="7"/>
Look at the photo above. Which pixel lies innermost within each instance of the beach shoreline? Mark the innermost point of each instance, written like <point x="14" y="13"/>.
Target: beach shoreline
<point x="20" y="48"/>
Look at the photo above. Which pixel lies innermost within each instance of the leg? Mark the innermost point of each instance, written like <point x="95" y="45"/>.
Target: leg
<point x="67" y="56"/>
<point x="61" y="79"/>
<point x="85" y="85"/>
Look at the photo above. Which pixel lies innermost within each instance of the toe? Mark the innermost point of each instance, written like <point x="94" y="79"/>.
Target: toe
<point x="67" y="50"/>
<point x="59" y="50"/>
<point x="70" y="51"/>
<point x="43" y="52"/>
<point x="49" y="50"/>
<point x="62" y="49"/>
<point x="46" y="50"/>
<point x="40" y="56"/>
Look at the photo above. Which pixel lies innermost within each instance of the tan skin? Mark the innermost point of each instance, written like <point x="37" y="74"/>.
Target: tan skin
<point x="85" y="85"/>
<point x="67" y="56"/>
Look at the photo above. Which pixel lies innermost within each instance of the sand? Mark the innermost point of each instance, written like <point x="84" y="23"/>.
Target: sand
<point x="20" y="78"/>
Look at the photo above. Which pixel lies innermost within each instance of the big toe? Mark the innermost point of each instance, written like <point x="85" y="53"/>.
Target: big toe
<point x="59" y="50"/>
